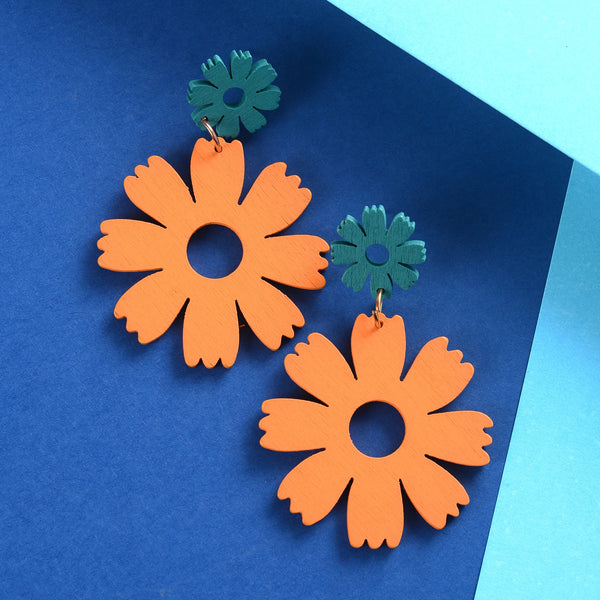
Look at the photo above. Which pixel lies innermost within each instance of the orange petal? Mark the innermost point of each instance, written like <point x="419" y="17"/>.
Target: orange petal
<point x="320" y="369"/>
<point x="133" y="245"/>
<point x="314" y="486"/>
<point x="292" y="425"/>
<point x="458" y="437"/>
<point x="268" y="312"/>
<point x="150" y="306"/>
<point x="277" y="198"/>
<point x="159" y="191"/>
<point x="433" y="492"/>
<point x="217" y="177"/>
<point x="437" y="376"/>
<point x="375" y="510"/>
<point x="210" y="331"/>
<point x="378" y="352"/>
<point x="294" y="260"/>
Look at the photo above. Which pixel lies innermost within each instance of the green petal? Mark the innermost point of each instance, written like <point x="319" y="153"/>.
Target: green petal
<point x="373" y="220"/>
<point x="403" y="275"/>
<point x="229" y="126"/>
<point x="400" y="230"/>
<point x="343" y="253"/>
<point x="267" y="99"/>
<point x="409" y="253"/>
<point x="351" y="231"/>
<point x="355" y="277"/>
<point x="213" y="113"/>
<point x="252" y="119"/>
<point x="216" y="72"/>
<point x="241" y="63"/>
<point x="261" y="75"/>
<point x="201" y="93"/>
<point x="380" y="280"/>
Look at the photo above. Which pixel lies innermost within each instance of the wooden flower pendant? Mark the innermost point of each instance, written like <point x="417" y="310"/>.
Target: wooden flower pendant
<point x="375" y="504"/>
<point x="210" y="324"/>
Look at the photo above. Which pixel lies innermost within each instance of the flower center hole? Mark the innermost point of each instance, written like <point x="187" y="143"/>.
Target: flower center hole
<point x="234" y="96"/>
<point x="377" y="254"/>
<point x="377" y="429"/>
<point x="214" y="251"/>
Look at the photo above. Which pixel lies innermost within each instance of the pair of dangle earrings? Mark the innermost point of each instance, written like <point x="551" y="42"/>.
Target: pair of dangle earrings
<point x="377" y="485"/>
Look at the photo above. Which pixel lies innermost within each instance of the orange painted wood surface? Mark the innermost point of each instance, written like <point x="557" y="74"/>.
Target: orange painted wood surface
<point x="210" y="324"/>
<point x="375" y="500"/>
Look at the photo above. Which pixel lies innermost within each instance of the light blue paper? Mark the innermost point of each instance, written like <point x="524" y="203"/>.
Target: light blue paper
<point x="545" y="536"/>
<point x="536" y="61"/>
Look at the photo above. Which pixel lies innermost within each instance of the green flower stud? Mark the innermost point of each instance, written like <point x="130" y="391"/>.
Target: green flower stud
<point x="225" y="99"/>
<point x="384" y="254"/>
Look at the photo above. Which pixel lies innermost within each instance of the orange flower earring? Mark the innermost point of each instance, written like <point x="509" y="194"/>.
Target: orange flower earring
<point x="437" y="376"/>
<point x="275" y="200"/>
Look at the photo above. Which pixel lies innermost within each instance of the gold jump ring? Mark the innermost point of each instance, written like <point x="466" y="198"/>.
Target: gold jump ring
<point x="213" y="134"/>
<point x="378" y="308"/>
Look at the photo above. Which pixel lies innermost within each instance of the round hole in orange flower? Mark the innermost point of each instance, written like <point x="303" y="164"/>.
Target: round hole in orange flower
<point x="377" y="429"/>
<point x="214" y="251"/>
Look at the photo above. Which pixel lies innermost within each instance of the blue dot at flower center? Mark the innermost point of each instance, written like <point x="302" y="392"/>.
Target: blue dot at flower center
<point x="377" y="429"/>
<point x="233" y="97"/>
<point x="377" y="254"/>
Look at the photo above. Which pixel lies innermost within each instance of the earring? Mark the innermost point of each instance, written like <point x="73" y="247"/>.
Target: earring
<point x="224" y="98"/>
<point x="275" y="201"/>
<point x="436" y="377"/>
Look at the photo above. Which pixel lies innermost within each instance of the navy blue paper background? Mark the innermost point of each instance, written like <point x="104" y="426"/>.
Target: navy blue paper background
<point x="124" y="473"/>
